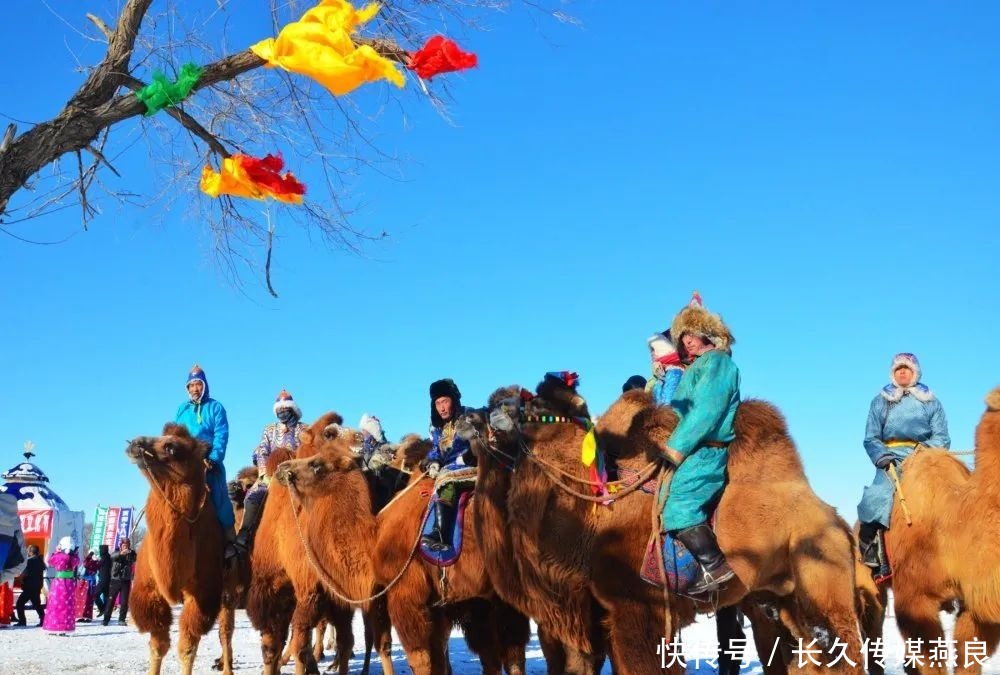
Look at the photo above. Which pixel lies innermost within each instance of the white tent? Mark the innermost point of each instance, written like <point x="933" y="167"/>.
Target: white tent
<point x="45" y="517"/>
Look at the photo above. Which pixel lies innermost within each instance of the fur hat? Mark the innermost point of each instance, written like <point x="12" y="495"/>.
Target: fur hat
<point x="372" y="426"/>
<point x="198" y="374"/>
<point x="660" y="344"/>
<point x="284" y="401"/>
<point x="66" y="544"/>
<point x="905" y="359"/>
<point x="444" y="387"/>
<point x="697" y="320"/>
<point x="892" y="392"/>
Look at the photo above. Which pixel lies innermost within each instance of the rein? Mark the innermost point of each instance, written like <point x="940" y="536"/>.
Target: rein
<point x="321" y="571"/>
<point x="178" y="511"/>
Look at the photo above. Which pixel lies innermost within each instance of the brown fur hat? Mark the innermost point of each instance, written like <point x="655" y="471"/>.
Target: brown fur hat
<point x="697" y="320"/>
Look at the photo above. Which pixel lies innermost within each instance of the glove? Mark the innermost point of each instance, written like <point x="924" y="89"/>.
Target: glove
<point x="235" y="490"/>
<point x="432" y="469"/>
<point x="209" y="465"/>
<point x="885" y="461"/>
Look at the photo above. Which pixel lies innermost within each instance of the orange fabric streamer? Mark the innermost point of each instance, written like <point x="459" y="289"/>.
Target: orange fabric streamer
<point x="245" y="176"/>
<point x="319" y="45"/>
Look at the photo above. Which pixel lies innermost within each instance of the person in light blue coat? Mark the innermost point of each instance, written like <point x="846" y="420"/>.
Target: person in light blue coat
<point x="205" y="418"/>
<point x="904" y="414"/>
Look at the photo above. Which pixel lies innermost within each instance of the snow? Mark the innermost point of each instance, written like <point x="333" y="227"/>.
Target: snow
<point x="96" y="649"/>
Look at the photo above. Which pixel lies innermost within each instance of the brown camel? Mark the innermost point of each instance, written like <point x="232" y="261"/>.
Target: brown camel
<point x="948" y="557"/>
<point x="245" y="479"/>
<point x="181" y="558"/>
<point x="426" y="601"/>
<point x="286" y="588"/>
<point x="553" y="555"/>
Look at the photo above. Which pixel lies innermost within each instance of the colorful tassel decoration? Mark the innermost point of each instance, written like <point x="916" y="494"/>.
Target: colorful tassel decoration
<point x="161" y="93"/>
<point x="319" y="46"/>
<point x="245" y="176"/>
<point x="440" y="55"/>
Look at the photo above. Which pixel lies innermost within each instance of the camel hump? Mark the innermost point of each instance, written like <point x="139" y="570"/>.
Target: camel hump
<point x="277" y="457"/>
<point x="993" y="400"/>
<point x="757" y="420"/>
<point x="762" y="438"/>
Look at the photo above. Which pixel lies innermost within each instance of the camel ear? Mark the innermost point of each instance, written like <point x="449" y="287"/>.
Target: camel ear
<point x="331" y="431"/>
<point x="993" y="400"/>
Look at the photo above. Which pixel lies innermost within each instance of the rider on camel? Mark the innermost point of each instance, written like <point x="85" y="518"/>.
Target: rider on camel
<point x="285" y="433"/>
<point x="451" y="453"/>
<point x="706" y="400"/>
<point x="902" y="415"/>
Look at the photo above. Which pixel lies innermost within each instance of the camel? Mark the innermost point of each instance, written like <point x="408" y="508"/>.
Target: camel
<point x="947" y="557"/>
<point x="287" y="588"/>
<point x="426" y="601"/>
<point x="555" y="556"/>
<point x="245" y="478"/>
<point x="181" y="558"/>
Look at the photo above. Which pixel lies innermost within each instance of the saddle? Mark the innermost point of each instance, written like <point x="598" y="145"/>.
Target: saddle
<point x="680" y="569"/>
<point x="447" y="556"/>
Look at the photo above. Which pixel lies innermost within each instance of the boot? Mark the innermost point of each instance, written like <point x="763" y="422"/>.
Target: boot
<point x="867" y="542"/>
<point x="700" y="541"/>
<point x="437" y="539"/>
<point x="229" y="544"/>
<point x="251" y="518"/>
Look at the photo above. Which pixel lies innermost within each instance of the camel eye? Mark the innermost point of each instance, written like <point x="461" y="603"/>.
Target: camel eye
<point x="316" y="468"/>
<point x="171" y="450"/>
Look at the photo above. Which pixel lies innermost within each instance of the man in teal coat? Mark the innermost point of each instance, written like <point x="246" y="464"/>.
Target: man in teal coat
<point x="206" y="419"/>
<point x="706" y="400"/>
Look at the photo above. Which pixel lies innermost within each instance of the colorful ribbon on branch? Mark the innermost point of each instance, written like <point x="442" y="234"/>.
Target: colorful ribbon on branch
<point x="245" y="176"/>
<point x="440" y="55"/>
<point x="319" y="46"/>
<point x="161" y="93"/>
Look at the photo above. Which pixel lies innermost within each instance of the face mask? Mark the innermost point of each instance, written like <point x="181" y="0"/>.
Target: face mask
<point x="286" y="415"/>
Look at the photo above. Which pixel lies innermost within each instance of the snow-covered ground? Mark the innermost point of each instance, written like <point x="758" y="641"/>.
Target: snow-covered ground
<point x="96" y="649"/>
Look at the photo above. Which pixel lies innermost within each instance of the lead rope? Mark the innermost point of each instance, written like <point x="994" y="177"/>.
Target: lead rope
<point x="324" y="575"/>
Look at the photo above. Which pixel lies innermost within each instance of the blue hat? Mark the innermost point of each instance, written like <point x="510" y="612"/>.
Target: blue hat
<point x="198" y="374"/>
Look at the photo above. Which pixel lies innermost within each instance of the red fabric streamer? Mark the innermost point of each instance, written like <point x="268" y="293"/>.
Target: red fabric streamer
<point x="266" y="172"/>
<point x="440" y="55"/>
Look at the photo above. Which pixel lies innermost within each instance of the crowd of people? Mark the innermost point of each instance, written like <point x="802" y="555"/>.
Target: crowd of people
<point x="101" y="581"/>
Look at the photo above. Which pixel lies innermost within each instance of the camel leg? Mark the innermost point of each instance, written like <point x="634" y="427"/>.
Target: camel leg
<point x="304" y="618"/>
<point x="318" y="633"/>
<point x="479" y="626"/>
<point x="513" y="633"/>
<point x="440" y="635"/>
<point x="227" y="616"/>
<point x="976" y="641"/>
<point x="872" y="614"/>
<point x="771" y="637"/>
<point x="377" y="621"/>
<point x="194" y="623"/>
<point x="274" y="631"/>
<point x="635" y="632"/>
<point x="553" y="651"/>
<point x="918" y="618"/>
<point x="151" y="614"/>
<point x="340" y="616"/>
<point x="414" y="624"/>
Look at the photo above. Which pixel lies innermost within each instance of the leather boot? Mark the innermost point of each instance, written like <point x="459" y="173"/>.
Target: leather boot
<point x="252" y="510"/>
<point x="700" y="541"/>
<point x="438" y="538"/>
<point x="872" y="544"/>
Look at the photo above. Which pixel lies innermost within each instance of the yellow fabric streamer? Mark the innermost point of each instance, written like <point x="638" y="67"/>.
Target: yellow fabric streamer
<point x="319" y="45"/>
<point x="588" y="451"/>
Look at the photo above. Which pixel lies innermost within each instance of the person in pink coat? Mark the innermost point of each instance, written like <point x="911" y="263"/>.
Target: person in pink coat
<point x="60" y="610"/>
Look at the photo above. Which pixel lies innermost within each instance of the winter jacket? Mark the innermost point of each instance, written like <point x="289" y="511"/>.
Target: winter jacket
<point x="206" y="421"/>
<point x="706" y="400"/>
<point x="907" y="419"/>
<point x="121" y="565"/>
<point x="34" y="575"/>
<point x="449" y="447"/>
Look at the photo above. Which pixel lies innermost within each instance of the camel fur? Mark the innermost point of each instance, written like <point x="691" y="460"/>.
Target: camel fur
<point x="286" y="589"/>
<point x="427" y="601"/>
<point x="181" y="558"/>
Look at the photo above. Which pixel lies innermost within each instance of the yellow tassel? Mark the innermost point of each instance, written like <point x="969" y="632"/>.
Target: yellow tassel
<point x="588" y="452"/>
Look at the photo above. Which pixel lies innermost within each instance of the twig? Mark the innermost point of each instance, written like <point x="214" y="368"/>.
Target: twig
<point x="100" y="156"/>
<point x="267" y="264"/>
<point x="188" y="122"/>
<point x="8" y="137"/>
<point x="83" y="189"/>
<point x="101" y="26"/>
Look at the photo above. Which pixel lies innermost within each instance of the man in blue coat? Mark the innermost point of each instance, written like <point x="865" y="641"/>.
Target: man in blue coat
<point x="205" y="419"/>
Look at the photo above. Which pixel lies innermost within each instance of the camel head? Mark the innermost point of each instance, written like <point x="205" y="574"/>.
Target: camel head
<point x="325" y="431"/>
<point x="410" y="451"/>
<point x="175" y="456"/>
<point x="988" y="433"/>
<point x="328" y="451"/>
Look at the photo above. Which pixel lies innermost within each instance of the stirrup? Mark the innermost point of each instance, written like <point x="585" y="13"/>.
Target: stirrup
<point x="711" y="583"/>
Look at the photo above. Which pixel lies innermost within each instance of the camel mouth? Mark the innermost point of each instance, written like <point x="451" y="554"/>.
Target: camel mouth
<point x="139" y="451"/>
<point x="284" y="474"/>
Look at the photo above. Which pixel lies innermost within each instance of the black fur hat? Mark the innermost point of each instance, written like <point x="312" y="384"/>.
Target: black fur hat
<point x="445" y="387"/>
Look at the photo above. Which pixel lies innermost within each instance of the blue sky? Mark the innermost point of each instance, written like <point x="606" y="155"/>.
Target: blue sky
<point x="825" y="176"/>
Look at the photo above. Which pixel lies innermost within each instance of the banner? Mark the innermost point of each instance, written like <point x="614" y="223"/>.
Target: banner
<point x="111" y="525"/>
<point x="97" y="533"/>
<point x="36" y="522"/>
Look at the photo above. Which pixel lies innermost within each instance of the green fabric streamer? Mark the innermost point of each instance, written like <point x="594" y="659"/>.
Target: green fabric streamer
<point x="161" y="93"/>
